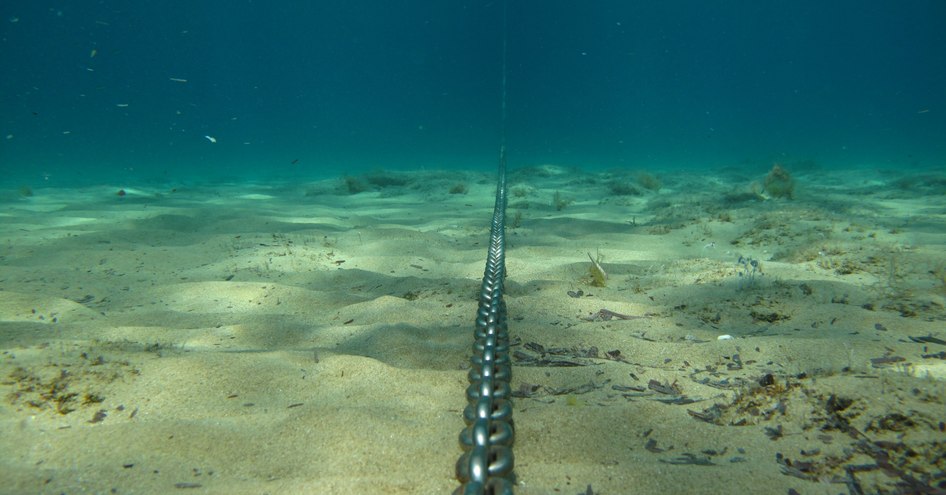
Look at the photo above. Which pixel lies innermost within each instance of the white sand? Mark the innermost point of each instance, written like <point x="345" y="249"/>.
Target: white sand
<point x="299" y="339"/>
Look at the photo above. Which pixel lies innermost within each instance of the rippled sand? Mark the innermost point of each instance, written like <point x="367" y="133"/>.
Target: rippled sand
<point x="302" y="338"/>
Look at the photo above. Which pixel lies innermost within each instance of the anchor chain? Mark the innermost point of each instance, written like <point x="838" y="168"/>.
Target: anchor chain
<point x="487" y="463"/>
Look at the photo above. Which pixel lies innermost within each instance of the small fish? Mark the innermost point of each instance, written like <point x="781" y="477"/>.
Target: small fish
<point x="211" y="139"/>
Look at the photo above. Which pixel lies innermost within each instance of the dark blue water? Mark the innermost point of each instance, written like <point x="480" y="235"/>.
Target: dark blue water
<point x="96" y="91"/>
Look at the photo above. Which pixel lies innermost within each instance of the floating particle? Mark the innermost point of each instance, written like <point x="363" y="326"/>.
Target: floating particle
<point x="121" y="105"/>
<point x="211" y="139"/>
<point x="178" y="79"/>
<point x="93" y="53"/>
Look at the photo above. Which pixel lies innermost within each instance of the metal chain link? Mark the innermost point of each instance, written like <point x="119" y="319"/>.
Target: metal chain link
<point x="487" y="463"/>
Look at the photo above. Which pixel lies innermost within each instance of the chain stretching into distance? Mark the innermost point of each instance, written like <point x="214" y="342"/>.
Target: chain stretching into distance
<point x="486" y="465"/>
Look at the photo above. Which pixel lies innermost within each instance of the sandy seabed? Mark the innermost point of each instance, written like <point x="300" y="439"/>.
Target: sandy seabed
<point x="314" y="338"/>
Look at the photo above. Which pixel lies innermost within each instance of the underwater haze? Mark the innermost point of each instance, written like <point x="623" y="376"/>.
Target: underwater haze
<point x="110" y="91"/>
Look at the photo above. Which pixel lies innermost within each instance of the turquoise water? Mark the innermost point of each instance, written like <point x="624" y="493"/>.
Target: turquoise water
<point x="114" y="92"/>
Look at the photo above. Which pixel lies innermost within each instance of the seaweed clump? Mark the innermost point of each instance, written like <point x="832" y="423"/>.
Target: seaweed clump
<point x="560" y="202"/>
<point x="779" y="183"/>
<point x="354" y="185"/>
<point x="619" y="188"/>
<point x="599" y="278"/>
<point x="648" y="181"/>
